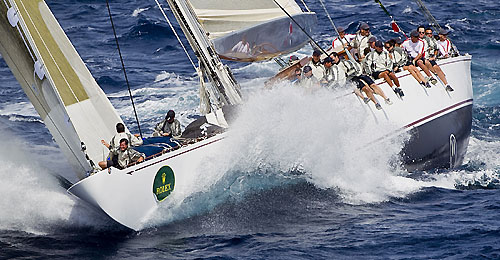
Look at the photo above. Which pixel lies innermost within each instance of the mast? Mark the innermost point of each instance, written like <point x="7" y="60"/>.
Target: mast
<point x="224" y="89"/>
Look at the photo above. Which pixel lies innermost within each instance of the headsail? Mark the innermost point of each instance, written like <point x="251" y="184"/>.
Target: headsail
<point x="255" y="30"/>
<point x="74" y="108"/>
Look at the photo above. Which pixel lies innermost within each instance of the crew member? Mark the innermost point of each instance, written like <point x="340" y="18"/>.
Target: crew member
<point x="114" y="144"/>
<point x="169" y="126"/>
<point x="360" y="42"/>
<point x="380" y="65"/>
<point x="125" y="157"/>
<point x="316" y="65"/>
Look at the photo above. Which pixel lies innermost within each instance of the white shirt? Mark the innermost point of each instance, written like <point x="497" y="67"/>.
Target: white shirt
<point x="444" y="47"/>
<point x="414" y="49"/>
<point x="317" y="69"/>
<point x="338" y="43"/>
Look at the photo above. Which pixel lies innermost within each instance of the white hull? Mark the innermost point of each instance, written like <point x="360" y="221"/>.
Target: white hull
<point x="127" y="195"/>
<point x="439" y="121"/>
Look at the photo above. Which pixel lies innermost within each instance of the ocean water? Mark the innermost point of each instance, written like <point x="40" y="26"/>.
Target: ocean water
<point x="278" y="192"/>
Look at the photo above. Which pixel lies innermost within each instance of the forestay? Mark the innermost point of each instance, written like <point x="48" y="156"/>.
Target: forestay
<point x="57" y="82"/>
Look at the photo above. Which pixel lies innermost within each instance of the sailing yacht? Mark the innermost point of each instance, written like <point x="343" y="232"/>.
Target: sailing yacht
<point x="78" y="114"/>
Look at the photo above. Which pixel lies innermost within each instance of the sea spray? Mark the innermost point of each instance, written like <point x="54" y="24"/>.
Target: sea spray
<point x="31" y="198"/>
<point x="285" y="135"/>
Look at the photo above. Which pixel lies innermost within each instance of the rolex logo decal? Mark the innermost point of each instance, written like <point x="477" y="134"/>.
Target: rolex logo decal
<point x="163" y="183"/>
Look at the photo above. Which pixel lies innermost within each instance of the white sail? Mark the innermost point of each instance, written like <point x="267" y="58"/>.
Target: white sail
<point x="57" y="82"/>
<point x="220" y="17"/>
<point x="244" y="30"/>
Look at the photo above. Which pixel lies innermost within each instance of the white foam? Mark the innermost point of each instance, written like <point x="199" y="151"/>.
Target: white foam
<point x="138" y="11"/>
<point x="19" y="108"/>
<point x="284" y="129"/>
<point x="31" y="199"/>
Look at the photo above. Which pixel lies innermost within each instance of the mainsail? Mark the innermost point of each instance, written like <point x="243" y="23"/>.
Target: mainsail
<point x="254" y="30"/>
<point x="66" y="96"/>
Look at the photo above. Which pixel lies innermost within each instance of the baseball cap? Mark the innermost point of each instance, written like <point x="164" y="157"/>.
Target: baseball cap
<point x="170" y="115"/>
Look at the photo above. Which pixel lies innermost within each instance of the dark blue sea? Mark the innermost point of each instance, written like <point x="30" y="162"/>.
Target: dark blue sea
<point x="347" y="204"/>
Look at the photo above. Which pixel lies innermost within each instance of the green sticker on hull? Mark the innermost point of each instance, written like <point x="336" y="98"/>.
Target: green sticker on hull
<point x="163" y="183"/>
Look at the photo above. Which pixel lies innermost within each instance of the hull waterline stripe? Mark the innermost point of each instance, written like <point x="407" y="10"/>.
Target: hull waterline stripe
<point x="170" y="157"/>
<point x="438" y="112"/>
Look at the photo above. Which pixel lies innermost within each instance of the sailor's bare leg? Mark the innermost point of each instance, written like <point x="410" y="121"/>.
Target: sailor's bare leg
<point x="394" y="78"/>
<point x="378" y="91"/>
<point x="416" y="74"/>
<point x="384" y="75"/>
<point x="413" y="73"/>
<point x="358" y="93"/>
<point x="421" y="64"/>
<point x="440" y="74"/>
<point x="369" y="93"/>
<point x="429" y="66"/>
<point x="103" y="165"/>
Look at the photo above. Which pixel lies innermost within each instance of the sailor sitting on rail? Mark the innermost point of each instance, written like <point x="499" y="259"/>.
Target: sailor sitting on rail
<point x="360" y="42"/>
<point x="415" y="47"/>
<point x="430" y="58"/>
<point x="400" y="61"/>
<point x="114" y="145"/>
<point x="308" y="81"/>
<point x="333" y="75"/>
<point x="445" y="47"/>
<point x="316" y="65"/>
<point x="169" y="126"/>
<point x="343" y="41"/>
<point x="363" y="83"/>
<point x="125" y="157"/>
<point x="380" y="66"/>
<point x="298" y="76"/>
<point x="371" y="43"/>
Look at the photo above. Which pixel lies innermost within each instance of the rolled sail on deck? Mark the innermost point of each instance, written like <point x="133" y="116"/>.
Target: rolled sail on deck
<point x="244" y="30"/>
<point x="67" y="97"/>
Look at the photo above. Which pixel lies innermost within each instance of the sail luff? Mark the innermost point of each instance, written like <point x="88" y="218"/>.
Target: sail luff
<point x="68" y="99"/>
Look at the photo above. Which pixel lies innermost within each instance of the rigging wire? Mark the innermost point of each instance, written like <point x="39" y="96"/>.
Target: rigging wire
<point x="123" y="67"/>
<point x="433" y="22"/>
<point x="300" y="27"/>
<point x="394" y="25"/>
<point x="337" y="31"/>
<point x="176" y="35"/>
<point x="307" y="7"/>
